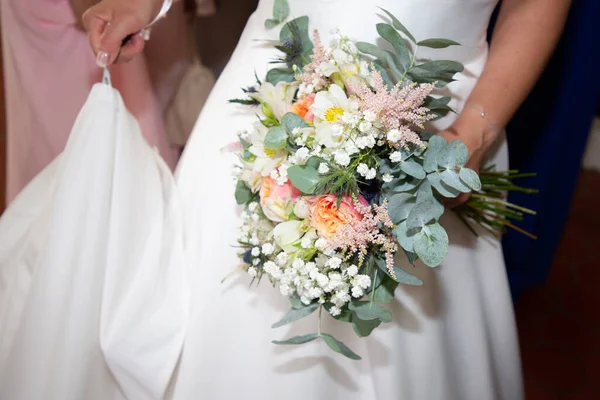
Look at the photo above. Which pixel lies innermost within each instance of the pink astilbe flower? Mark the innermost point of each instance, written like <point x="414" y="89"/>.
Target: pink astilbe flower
<point x="398" y="108"/>
<point x="407" y="136"/>
<point x="311" y="74"/>
<point x="355" y="237"/>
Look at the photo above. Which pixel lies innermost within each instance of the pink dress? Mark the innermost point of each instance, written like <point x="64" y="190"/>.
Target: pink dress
<point x="49" y="71"/>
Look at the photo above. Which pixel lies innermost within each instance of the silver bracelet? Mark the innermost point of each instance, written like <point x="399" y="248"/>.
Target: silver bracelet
<point x="494" y="128"/>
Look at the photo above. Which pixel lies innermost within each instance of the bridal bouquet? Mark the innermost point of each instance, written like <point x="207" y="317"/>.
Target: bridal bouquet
<point x="339" y="174"/>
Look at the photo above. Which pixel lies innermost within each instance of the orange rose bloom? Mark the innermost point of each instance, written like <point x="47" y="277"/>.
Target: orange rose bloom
<point x="326" y="217"/>
<point x="302" y="107"/>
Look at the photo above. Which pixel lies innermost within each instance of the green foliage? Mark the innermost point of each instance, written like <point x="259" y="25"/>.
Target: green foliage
<point x="401" y="58"/>
<point x="298" y="339"/>
<point x="400" y="64"/>
<point x="304" y="178"/>
<point x="400" y="205"/>
<point x="431" y="245"/>
<point x="276" y="138"/>
<point x="281" y="10"/>
<point x="339" y="181"/>
<point x="398" y="26"/>
<point x="437" y="43"/>
<point x="276" y="75"/>
<point x="339" y="347"/>
<point x="368" y="311"/>
<point x="295" y="314"/>
<point x="243" y="194"/>
<point x="364" y="328"/>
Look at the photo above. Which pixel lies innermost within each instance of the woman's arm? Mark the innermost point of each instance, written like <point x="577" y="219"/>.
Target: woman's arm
<point x="524" y="38"/>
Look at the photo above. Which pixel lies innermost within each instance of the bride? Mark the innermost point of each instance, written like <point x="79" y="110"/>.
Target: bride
<point x="452" y="339"/>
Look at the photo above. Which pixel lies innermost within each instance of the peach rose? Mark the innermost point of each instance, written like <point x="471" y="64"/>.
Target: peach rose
<point x="277" y="201"/>
<point x="302" y="107"/>
<point x="326" y="217"/>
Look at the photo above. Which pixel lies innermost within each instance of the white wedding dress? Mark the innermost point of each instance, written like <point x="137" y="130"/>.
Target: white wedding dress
<point x="453" y="339"/>
<point x="111" y="272"/>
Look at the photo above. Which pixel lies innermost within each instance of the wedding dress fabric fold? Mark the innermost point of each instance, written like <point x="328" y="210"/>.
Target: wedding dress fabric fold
<point x="93" y="294"/>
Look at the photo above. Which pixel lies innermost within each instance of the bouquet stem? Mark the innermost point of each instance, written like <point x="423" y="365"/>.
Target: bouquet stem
<point x="489" y="209"/>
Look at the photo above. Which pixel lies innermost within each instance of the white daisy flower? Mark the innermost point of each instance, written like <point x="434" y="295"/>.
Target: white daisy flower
<point x="329" y="107"/>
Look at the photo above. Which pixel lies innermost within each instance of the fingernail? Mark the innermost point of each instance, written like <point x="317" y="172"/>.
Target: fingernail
<point x="102" y="59"/>
<point x="145" y="34"/>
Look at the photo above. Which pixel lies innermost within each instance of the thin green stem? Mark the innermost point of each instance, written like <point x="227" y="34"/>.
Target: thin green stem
<point x="412" y="63"/>
<point x="319" y="323"/>
<point x="506" y="203"/>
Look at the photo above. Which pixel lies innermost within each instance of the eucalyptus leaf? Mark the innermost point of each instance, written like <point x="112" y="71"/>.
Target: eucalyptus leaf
<point x="295" y="314"/>
<point x="406" y="153"/>
<point x="438" y="106"/>
<point x="412" y="258"/>
<point x="364" y="328"/>
<point x="443" y="189"/>
<point x="292" y="121"/>
<point x="297" y="26"/>
<point x="296" y="302"/>
<point x="370" y="49"/>
<point x="423" y="213"/>
<point x="390" y="34"/>
<point x="435" y="144"/>
<point x="271" y="23"/>
<point x="281" y="10"/>
<point x="425" y="192"/>
<point x="399" y="26"/>
<point x="344" y="316"/>
<point x="387" y="167"/>
<point x="243" y="194"/>
<point x="454" y="154"/>
<point x="276" y="75"/>
<point x="400" y="205"/>
<point x="406" y="237"/>
<point x="404" y="184"/>
<point x="339" y="347"/>
<point x="440" y="71"/>
<point x="370" y="311"/>
<point x="384" y="293"/>
<point x="413" y="169"/>
<point x="436" y="43"/>
<point x="451" y="178"/>
<point x="470" y="178"/>
<point x="276" y="138"/>
<point x="432" y="247"/>
<point x="401" y="275"/>
<point x="425" y="135"/>
<point x="297" y="339"/>
<point x="436" y="102"/>
<point x="395" y="68"/>
<point x="442" y="67"/>
<point x="304" y="178"/>
<point x="314" y="162"/>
